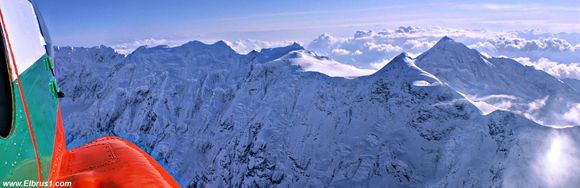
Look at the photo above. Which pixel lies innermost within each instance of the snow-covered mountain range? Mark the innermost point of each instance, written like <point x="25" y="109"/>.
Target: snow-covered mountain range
<point x="503" y="83"/>
<point x="217" y="118"/>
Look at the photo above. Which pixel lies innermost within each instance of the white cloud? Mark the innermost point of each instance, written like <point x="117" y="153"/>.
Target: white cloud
<point x="511" y="7"/>
<point x="500" y="7"/>
<point x="537" y="104"/>
<point x="372" y="47"/>
<point x="382" y="47"/>
<point x="418" y="44"/>
<point x="340" y="51"/>
<point x="573" y="114"/>
<point x="554" y="165"/>
<point x="369" y="49"/>
<point x="556" y="69"/>
<point x="520" y="44"/>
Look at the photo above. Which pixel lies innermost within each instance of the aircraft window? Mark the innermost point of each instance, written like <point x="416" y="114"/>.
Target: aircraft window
<point x="6" y="100"/>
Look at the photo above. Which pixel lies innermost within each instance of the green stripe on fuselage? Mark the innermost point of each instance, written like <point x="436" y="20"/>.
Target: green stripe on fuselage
<point x="17" y="158"/>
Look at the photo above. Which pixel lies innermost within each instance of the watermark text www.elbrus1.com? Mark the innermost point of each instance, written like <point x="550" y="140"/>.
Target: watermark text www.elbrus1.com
<point x="32" y="183"/>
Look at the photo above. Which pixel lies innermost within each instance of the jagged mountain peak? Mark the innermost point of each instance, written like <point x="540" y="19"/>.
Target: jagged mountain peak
<point x="285" y="49"/>
<point x="446" y="38"/>
<point x="403" y="67"/>
<point x="101" y="48"/>
<point x="401" y="61"/>
<point x="295" y="46"/>
<point x="101" y="53"/>
<point x="219" y="47"/>
<point x="220" y="43"/>
<point x="499" y="81"/>
<point x="447" y="44"/>
<point x="404" y="57"/>
<point x="198" y="45"/>
<point x="449" y="53"/>
<point x="269" y="54"/>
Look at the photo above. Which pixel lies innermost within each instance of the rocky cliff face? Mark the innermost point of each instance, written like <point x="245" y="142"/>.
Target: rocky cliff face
<point x="217" y="118"/>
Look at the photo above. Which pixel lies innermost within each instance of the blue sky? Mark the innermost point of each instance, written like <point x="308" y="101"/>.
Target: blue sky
<point x="88" y="23"/>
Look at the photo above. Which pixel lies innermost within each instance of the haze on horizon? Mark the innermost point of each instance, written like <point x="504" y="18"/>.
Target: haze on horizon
<point x="90" y="23"/>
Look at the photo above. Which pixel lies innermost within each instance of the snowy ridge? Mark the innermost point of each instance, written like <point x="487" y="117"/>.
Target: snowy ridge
<point x="573" y="83"/>
<point x="310" y="62"/>
<point x="220" y="119"/>
<point x="533" y="93"/>
<point x="403" y="67"/>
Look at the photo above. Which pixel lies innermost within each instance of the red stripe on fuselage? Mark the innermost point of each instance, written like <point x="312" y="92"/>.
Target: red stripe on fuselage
<point x="59" y="150"/>
<point x="23" y="99"/>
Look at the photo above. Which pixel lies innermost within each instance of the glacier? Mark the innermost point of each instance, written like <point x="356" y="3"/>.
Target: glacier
<point x="216" y="118"/>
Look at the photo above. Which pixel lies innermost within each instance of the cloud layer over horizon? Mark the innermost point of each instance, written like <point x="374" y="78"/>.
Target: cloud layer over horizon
<point x="555" y="53"/>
